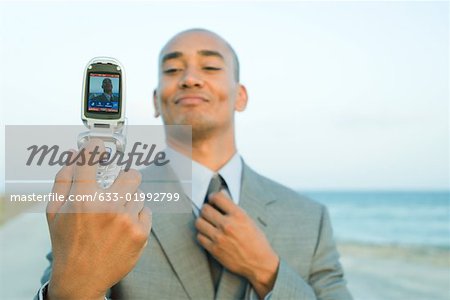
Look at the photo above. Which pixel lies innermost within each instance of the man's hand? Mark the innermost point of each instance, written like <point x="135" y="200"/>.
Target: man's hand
<point x="237" y="243"/>
<point x="93" y="251"/>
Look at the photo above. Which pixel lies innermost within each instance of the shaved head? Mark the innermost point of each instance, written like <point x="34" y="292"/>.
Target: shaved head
<point x="233" y="54"/>
<point x="198" y="84"/>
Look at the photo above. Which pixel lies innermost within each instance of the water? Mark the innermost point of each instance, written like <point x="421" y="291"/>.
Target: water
<point x="393" y="218"/>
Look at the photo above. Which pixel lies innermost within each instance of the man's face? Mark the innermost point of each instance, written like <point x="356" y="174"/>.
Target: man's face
<point x="107" y="85"/>
<point x="197" y="85"/>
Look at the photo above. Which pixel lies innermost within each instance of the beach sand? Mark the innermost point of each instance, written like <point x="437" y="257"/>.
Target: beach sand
<point x="372" y="272"/>
<point x="395" y="272"/>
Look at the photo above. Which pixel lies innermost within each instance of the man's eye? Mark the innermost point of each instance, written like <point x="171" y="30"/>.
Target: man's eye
<point x="209" y="68"/>
<point x="171" y="70"/>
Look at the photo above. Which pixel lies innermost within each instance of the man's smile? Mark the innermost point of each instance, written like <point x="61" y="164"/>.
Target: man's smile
<point x="190" y="100"/>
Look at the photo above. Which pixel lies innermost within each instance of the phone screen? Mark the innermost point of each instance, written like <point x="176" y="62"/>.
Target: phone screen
<point x="104" y="93"/>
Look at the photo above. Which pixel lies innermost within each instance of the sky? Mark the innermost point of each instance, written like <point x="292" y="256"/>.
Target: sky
<point x="342" y="95"/>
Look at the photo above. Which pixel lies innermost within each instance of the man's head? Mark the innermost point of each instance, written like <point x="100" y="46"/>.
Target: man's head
<point x="199" y="83"/>
<point x="107" y="85"/>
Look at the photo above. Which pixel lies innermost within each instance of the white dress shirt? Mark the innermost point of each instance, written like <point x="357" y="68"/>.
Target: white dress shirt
<point x="231" y="173"/>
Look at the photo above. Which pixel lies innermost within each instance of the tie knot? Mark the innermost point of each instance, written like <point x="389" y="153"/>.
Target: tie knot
<point x="216" y="184"/>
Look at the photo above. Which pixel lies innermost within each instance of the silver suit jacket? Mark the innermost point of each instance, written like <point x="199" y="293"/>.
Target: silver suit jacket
<point x="174" y="265"/>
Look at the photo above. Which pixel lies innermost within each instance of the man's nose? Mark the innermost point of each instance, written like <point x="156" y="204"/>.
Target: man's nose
<point x="191" y="78"/>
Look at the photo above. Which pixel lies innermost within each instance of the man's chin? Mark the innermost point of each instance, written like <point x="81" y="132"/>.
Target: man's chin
<point x="201" y="126"/>
<point x="193" y="119"/>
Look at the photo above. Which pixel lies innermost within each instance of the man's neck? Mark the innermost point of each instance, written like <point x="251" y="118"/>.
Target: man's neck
<point x="212" y="153"/>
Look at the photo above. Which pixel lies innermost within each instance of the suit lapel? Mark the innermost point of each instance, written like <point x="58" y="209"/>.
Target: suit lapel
<point x="253" y="200"/>
<point x="176" y="234"/>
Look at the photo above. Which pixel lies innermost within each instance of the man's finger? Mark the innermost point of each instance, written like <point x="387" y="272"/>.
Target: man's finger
<point x="222" y="202"/>
<point x="205" y="228"/>
<point x="211" y="214"/>
<point x="61" y="186"/>
<point x="87" y="163"/>
<point x="126" y="182"/>
<point x="135" y="205"/>
<point x="204" y="241"/>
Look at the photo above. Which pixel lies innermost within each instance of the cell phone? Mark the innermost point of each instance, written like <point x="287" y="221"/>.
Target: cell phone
<point x="103" y="112"/>
<point x="103" y="99"/>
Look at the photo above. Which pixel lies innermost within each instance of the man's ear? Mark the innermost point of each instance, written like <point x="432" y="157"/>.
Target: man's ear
<point x="242" y="99"/>
<point x="156" y="104"/>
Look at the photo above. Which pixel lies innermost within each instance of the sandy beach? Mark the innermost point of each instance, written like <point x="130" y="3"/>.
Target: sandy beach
<point x="373" y="272"/>
<point x="390" y="272"/>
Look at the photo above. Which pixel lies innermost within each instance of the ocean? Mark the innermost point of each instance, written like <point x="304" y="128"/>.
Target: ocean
<point x="389" y="218"/>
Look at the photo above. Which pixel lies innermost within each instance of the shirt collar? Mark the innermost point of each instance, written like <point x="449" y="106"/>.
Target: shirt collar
<point x="231" y="172"/>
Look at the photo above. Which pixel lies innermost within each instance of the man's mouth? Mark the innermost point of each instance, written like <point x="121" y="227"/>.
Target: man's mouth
<point x="190" y="100"/>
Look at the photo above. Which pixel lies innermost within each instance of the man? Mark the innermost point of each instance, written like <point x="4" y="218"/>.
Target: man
<point x="107" y="95"/>
<point x="252" y="239"/>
